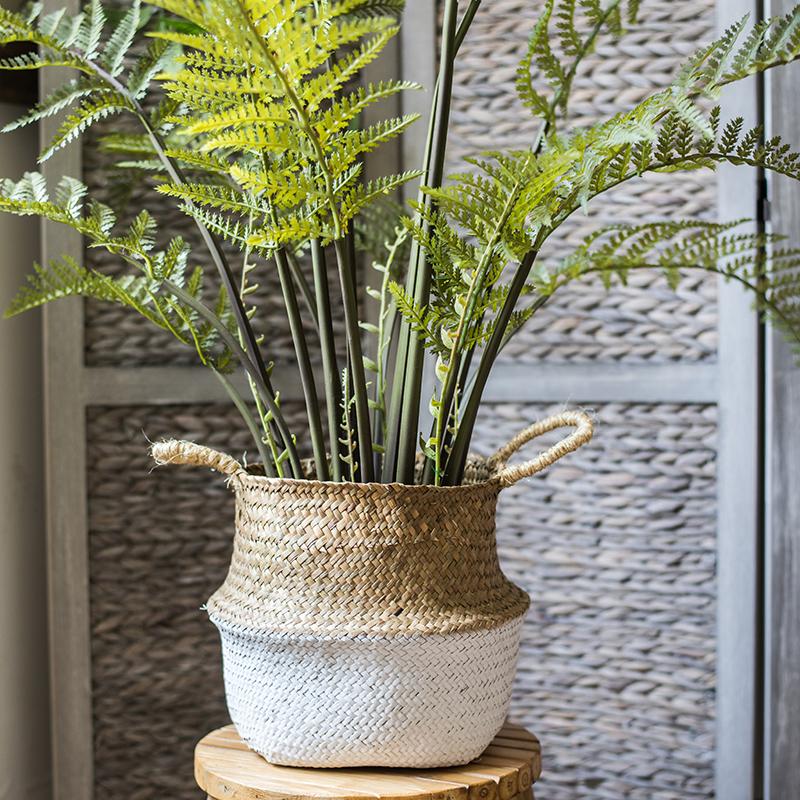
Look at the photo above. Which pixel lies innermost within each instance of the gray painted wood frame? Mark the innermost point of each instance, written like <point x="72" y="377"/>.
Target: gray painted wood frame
<point x="738" y="456"/>
<point x="65" y="487"/>
<point x="782" y="498"/>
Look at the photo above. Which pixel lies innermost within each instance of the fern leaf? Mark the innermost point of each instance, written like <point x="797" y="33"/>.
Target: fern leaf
<point x="89" y="112"/>
<point x="91" y="30"/>
<point x="121" y="40"/>
<point x="56" y="101"/>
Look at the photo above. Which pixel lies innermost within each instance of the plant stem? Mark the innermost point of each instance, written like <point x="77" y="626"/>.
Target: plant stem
<point x="303" y="285"/>
<point x="356" y="359"/>
<point x="304" y="365"/>
<point x="419" y="268"/>
<point x="457" y="459"/>
<point x="387" y="314"/>
<point x="266" y="423"/>
<point x="330" y="366"/>
<point x="241" y="407"/>
<point x="261" y="380"/>
<point x="466" y="21"/>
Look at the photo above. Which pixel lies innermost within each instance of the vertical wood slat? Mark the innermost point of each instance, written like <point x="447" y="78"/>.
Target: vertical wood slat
<point x="782" y="518"/>
<point x="65" y="487"/>
<point x="738" y="458"/>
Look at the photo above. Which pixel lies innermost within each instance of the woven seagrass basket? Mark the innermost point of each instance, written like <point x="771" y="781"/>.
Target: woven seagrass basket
<point x="370" y="624"/>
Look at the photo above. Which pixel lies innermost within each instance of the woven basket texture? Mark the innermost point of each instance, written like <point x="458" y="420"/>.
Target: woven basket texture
<point x="616" y="546"/>
<point x="376" y="560"/>
<point x="645" y="321"/>
<point x="366" y="624"/>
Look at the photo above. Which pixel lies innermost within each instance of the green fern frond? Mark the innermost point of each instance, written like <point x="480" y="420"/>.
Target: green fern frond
<point x="72" y="91"/>
<point x="344" y="110"/>
<point x="366" y="194"/>
<point x="771" y="272"/>
<point x="89" y="112"/>
<point x="121" y="40"/>
<point x="558" y="70"/>
<point x="222" y="198"/>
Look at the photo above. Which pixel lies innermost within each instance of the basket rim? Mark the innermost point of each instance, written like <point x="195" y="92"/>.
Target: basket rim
<point x="373" y="487"/>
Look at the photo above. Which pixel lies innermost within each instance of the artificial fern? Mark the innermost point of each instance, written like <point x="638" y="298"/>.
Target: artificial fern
<point x="249" y="119"/>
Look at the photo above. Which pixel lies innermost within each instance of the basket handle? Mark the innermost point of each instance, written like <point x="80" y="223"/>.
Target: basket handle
<point x="178" y="451"/>
<point x="508" y="476"/>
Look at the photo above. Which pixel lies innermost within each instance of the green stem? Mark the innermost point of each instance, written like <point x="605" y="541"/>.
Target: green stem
<point x="356" y="373"/>
<point x="466" y="21"/>
<point x="456" y="462"/>
<point x="266" y="423"/>
<point x="261" y="380"/>
<point x="241" y="407"/>
<point x="387" y="313"/>
<point x="419" y="267"/>
<point x="304" y="365"/>
<point x="303" y="285"/>
<point x="330" y="366"/>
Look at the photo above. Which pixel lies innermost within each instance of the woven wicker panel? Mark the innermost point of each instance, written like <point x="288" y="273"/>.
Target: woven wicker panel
<point x="159" y="545"/>
<point x="616" y="545"/>
<point x="642" y="322"/>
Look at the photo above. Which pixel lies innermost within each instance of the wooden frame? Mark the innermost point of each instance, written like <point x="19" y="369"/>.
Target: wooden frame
<point x="782" y="502"/>
<point x="65" y="486"/>
<point x="738" y="525"/>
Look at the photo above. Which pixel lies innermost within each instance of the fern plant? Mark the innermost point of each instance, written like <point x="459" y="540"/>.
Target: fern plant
<point x="249" y="119"/>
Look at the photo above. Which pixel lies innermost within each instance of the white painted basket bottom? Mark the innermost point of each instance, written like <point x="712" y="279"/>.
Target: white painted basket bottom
<point x="413" y="701"/>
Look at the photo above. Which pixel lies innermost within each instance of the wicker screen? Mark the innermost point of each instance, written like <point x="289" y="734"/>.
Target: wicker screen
<point x="616" y="546"/>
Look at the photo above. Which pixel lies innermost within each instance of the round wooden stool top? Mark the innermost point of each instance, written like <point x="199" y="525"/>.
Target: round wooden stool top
<point x="226" y="769"/>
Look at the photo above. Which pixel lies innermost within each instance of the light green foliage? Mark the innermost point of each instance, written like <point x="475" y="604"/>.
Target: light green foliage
<point x="760" y="262"/>
<point x="165" y="291"/>
<point x="265" y="91"/>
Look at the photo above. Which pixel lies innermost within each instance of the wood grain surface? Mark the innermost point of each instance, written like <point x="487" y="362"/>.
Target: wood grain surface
<point x="226" y="769"/>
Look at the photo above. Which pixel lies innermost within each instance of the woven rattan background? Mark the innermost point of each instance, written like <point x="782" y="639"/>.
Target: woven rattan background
<point x="645" y="321"/>
<point x="616" y="545"/>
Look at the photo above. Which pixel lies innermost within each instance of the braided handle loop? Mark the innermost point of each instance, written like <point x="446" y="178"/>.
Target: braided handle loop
<point x="508" y="476"/>
<point x="176" y="451"/>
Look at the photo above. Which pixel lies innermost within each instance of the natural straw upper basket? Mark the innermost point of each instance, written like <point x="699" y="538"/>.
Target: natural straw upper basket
<point x="370" y="624"/>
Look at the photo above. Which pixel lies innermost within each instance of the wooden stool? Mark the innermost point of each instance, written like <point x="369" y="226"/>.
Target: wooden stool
<point x="225" y="769"/>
